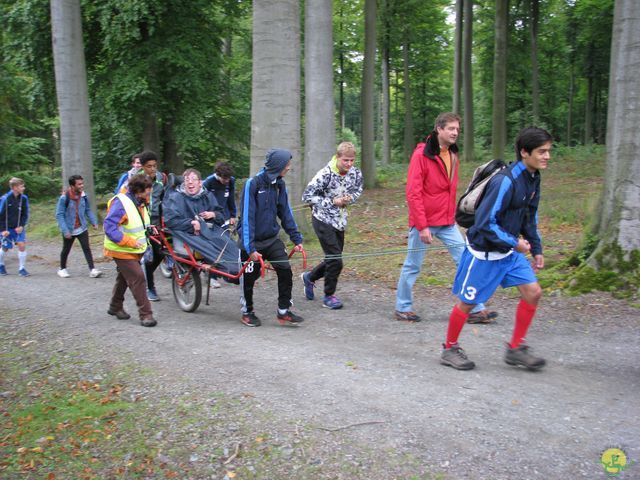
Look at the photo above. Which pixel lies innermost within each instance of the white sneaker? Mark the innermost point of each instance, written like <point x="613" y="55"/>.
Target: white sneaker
<point x="63" y="273"/>
<point x="95" y="273"/>
<point x="213" y="283"/>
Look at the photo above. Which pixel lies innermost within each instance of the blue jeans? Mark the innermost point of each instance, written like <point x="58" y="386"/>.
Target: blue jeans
<point x="455" y="243"/>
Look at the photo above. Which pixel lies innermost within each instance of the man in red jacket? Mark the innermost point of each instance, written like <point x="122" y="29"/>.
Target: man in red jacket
<point x="432" y="182"/>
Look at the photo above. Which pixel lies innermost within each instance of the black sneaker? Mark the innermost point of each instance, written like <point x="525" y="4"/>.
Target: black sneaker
<point x="289" y="318"/>
<point x="456" y="358"/>
<point x="521" y="356"/>
<point x="250" y="319"/>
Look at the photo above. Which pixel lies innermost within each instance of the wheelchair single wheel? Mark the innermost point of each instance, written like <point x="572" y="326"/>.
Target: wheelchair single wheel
<point x="166" y="266"/>
<point x="187" y="287"/>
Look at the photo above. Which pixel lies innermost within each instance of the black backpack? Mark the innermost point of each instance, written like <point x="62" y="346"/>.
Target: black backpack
<point x="471" y="198"/>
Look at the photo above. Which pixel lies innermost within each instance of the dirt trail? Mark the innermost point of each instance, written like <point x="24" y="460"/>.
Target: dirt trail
<point x="359" y="366"/>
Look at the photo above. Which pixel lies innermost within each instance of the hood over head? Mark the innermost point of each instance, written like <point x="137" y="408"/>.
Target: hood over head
<point x="275" y="161"/>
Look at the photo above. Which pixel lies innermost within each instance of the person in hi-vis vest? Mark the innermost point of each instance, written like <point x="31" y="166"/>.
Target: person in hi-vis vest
<point x="125" y="240"/>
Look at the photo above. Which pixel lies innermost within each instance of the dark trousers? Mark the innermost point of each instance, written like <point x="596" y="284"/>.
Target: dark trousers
<point x="150" y="267"/>
<point x="273" y="252"/>
<point x="67" y="243"/>
<point x="130" y="275"/>
<point x="332" y="243"/>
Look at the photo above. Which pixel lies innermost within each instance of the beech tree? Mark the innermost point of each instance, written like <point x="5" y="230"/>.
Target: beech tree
<point x="320" y="128"/>
<point x="618" y="228"/>
<point x="368" y="84"/>
<point x="71" y="91"/>
<point x="275" y="97"/>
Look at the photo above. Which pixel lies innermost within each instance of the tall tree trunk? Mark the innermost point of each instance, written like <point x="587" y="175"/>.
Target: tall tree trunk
<point x="171" y="160"/>
<point x="468" y="153"/>
<point x="150" y="137"/>
<point x="408" y="140"/>
<point x="72" y="93"/>
<point x="535" y="84"/>
<point x="619" y="221"/>
<point x="320" y="126"/>
<point x="570" y="106"/>
<point x="368" y="84"/>
<point x="275" y="97"/>
<point x="499" y="120"/>
<point x="588" y="113"/>
<point x="341" y="115"/>
<point x="386" y="125"/>
<point x="457" y="63"/>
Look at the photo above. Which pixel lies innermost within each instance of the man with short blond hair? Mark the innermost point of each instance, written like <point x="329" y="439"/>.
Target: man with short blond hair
<point x="331" y="190"/>
<point x="14" y="216"/>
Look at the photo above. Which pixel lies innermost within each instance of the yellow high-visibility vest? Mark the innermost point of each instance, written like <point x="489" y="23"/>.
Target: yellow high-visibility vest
<point x="135" y="227"/>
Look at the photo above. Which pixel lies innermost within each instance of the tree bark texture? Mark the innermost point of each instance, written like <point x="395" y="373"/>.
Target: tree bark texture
<point x="619" y="222"/>
<point x="535" y="83"/>
<point x="499" y="113"/>
<point x="320" y="125"/>
<point x="275" y="102"/>
<point x="368" y="85"/>
<point x="150" y="136"/>
<point x="468" y="152"/>
<point x="408" y="140"/>
<point x="71" y="92"/>
<point x="457" y="63"/>
<point x="386" y="94"/>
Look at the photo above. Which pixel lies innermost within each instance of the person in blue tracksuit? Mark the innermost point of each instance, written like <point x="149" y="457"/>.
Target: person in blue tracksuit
<point x="264" y="202"/>
<point x="223" y="185"/>
<point x="505" y="230"/>
<point x="14" y="216"/>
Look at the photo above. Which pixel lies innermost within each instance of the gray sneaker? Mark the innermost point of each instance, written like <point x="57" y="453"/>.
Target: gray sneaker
<point x="521" y="356"/>
<point x="456" y="358"/>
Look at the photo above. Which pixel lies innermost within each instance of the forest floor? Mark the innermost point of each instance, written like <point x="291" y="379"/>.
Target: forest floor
<point x="348" y="394"/>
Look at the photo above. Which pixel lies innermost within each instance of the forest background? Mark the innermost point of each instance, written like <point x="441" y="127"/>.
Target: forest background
<point x="175" y="77"/>
<point x="85" y="85"/>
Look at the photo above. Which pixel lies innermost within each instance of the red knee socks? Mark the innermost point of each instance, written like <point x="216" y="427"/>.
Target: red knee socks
<point x="524" y="315"/>
<point x="457" y="319"/>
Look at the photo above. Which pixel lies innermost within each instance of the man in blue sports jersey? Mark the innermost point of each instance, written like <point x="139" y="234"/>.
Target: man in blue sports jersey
<point x="264" y="201"/>
<point x="505" y="230"/>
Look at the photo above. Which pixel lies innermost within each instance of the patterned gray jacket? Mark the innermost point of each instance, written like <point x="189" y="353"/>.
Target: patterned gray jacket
<point x="327" y="185"/>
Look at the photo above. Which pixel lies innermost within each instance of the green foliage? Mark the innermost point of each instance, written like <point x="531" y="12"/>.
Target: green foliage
<point x="38" y="185"/>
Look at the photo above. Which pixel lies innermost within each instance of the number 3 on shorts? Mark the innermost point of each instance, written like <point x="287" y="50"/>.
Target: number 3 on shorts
<point x="470" y="293"/>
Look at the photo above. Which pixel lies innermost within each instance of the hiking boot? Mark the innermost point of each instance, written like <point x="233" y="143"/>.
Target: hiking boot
<point x="456" y="358"/>
<point x="152" y="295"/>
<point x="407" y="317"/>
<point x="148" y="321"/>
<point x="332" y="302"/>
<point x="289" y="318"/>
<point x="308" y="285"/>
<point x="483" y="316"/>
<point x="23" y="272"/>
<point x="250" y="319"/>
<point x="64" y="273"/>
<point x="521" y="356"/>
<point x="3" y="271"/>
<point x="119" y="314"/>
<point x="95" y="273"/>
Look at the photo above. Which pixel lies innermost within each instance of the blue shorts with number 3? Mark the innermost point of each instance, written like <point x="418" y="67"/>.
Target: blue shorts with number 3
<point x="477" y="280"/>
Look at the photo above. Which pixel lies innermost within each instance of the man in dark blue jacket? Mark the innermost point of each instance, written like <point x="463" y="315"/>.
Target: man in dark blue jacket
<point x="264" y="201"/>
<point x="14" y="216"/>
<point x="505" y="230"/>
<point x="223" y="185"/>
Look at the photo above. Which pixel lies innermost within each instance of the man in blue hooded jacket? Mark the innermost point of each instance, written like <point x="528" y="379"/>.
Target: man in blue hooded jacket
<point x="264" y="201"/>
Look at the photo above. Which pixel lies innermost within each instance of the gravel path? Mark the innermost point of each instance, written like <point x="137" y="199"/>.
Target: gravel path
<point x="362" y="379"/>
